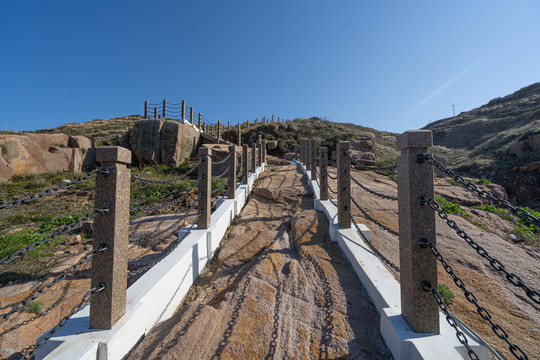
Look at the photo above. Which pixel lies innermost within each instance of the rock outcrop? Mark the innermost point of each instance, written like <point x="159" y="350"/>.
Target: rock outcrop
<point x="361" y="151"/>
<point x="161" y="141"/>
<point x="24" y="154"/>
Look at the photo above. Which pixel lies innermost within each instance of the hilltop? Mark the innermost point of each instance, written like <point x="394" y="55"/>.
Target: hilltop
<point x="499" y="141"/>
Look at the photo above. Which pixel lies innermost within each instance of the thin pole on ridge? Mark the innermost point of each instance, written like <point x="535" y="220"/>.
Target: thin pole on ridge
<point x="146" y="109"/>
<point x="199" y="123"/>
<point x="239" y="135"/>
<point x="183" y="113"/>
<point x="164" y="110"/>
<point x="191" y="115"/>
<point x="155" y="113"/>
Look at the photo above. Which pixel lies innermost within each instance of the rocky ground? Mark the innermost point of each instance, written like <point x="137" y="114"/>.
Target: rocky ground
<point x="509" y="305"/>
<point x="277" y="289"/>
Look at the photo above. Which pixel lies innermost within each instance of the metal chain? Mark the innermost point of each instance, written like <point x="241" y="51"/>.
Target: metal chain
<point x="223" y="174"/>
<point x="163" y="206"/>
<point x="331" y="190"/>
<point x="152" y="236"/>
<point x="515" y="280"/>
<point x="377" y="253"/>
<point x="28" y="353"/>
<point x="29" y="198"/>
<point x="167" y="252"/>
<point x="222" y="161"/>
<point x="391" y="167"/>
<point x="154" y="181"/>
<point x="426" y="286"/>
<point x="517" y="211"/>
<point x="382" y="226"/>
<point x="382" y="196"/>
<point x="21" y="305"/>
<point x="47" y="239"/>
<point x="483" y="312"/>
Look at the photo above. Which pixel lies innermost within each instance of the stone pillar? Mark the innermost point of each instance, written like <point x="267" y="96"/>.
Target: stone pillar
<point x="244" y="164"/>
<point x="200" y="120"/>
<point x="191" y="115"/>
<point x="256" y="122"/>
<point x="264" y="142"/>
<point x="416" y="222"/>
<point x="155" y="113"/>
<point x="164" y="112"/>
<point x="111" y="230"/>
<point x="205" y="187"/>
<point x="308" y="155"/>
<point x="323" y="162"/>
<point x="146" y="109"/>
<point x="296" y="151"/>
<point x="254" y="157"/>
<point x="343" y="184"/>
<point x="228" y="125"/>
<point x="231" y="193"/>
<point x="272" y="117"/>
<point x="313" y="151"/>
<point x="239" y="135"/>
<point x="218" y="130"/>
<point x="183" y="114"/>
<point x="303" y="151"/>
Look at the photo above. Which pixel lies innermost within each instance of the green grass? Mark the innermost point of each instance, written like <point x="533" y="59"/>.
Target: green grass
<point x="35" y="307"/>
<point x="446" y="294"/>
<point x="451" y="208"/>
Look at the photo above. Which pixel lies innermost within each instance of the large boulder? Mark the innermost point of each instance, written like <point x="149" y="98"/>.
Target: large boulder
<point x="364" y="145"/>
<point x="518" y="149"/>
<point x="45" y="141"/>
<point x="534" y="142"/>
<point x="366" y="158"/>
<point x="289" y="156"/>
<point x="22" y="154"/>
<point x="6" y="171"/>
<point x="163" y="142"/>
<point x="272" y="145"/>
<point x="80" y="142"/>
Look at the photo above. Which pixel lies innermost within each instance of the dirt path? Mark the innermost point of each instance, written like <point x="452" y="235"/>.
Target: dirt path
<point x="277" y="289"/>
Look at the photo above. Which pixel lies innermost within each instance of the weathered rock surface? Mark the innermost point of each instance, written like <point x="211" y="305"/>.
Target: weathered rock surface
<point x="38" y="153"/>
<point x="271" y="145"/>
<point x="162" y="141"/>
<point x="289" y="156"/>
<point x="268" y="282"/>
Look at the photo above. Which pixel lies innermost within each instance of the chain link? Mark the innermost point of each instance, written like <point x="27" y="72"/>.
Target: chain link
<point x="222" y="161"/>
<point x="517" y="211"/>
<point x="382" y="196"/>
<point x="223" y="174"/>
<point x="47" y="239"/>
<point x="29" y="198"/>
<point x="28" y="353"/>
<point x="172" y="226"/>
<point x="515" y="280"/>
<point x="426" y="286"/>
<point x="167" y="252"/>
<point x="391" y="167"/>
<point x="483" y="312"/>
<point x="327" y="172"/>
<point x="382" y="226"/>
<point x="377" y="253"/>
<point x="154" y="181"/>
<point x="163" y="206"/>
<point x="21" y="305"/>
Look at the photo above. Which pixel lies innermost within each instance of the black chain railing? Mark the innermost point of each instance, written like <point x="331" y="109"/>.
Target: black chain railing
<point x="223" y="174"/>
<point x="166" y="205"/>
<point x="515" y="280"/>
<point x="29" y="352"/>
<point x="166" y="253"/>
<point x="222" y="161"/>
<point x="369" y="217"/>
<point x="501" y="203"/>
<point x="377" y="253"/>
<point x="373" y="192"/>
<point x="426" y="286"/>
<point x="29" y="198"/>
<point x="483" y="312"/>
<point x="21" y="305"/>
<point x="355" y="162"/>
<point x="171" y="227"/>
<point x="156" y="181"/>
<point x="47" y="239"/>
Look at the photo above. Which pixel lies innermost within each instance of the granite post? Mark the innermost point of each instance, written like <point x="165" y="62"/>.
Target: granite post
<point x="146" y="109"/>
<point x="231" y="179"/>
<point x="200" y="120"/>
<point x="296" y="151"/>
<point x="239" y="135"/>
<point x="343" y="184"/>
<point x="416" y="222"/>
<point x="254" y="157"/>
<point x="183" y="114"/>
<point x="308" y="155"/>
<point x="205" y="188"/>
<point x="155" y="113"/>
<point x="111" y="230"/>
<point x="244" y="163"/>
<point x="164" y="111"/>
<point x="313" y="151"/>
<point x="191" y="115"/>
<point x="323" y="162"/>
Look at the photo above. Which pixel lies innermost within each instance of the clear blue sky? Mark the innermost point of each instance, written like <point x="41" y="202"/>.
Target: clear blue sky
<point x="390" y="65"/>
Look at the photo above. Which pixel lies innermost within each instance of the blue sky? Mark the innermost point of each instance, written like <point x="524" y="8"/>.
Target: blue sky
<point x="390" y="65"/>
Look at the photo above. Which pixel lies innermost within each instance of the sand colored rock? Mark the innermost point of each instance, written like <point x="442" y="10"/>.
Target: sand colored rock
<point x="277" y="289"/>
<point x="22" y="154"/>
<point x="45" y="141"/>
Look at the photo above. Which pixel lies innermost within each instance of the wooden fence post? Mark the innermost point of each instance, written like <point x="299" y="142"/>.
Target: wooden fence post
<point x="343" y="184"/>
<point x="146" y="109"/>
<point x="183" y="114"/>
<point x="231" y="193"/>
<point x="313" y="151"/>
<point x="205" y="187"/>
<point x="323" y="162"/>
<point x="164" y="110"/>
<point x="111" y="230"/>
<point x="416" y="222"/>
<point x="245" y="164"/>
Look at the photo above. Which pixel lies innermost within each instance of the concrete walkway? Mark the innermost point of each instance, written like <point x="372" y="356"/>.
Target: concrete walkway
<point x="276" y="289"/>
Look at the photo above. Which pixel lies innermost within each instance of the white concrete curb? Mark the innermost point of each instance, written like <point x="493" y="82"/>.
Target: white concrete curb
<point x="152" y="298"/>
<point x="384" y="291"/>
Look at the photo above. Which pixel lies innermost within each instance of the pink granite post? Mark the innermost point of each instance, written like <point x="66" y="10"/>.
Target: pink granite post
<point x="231" y="193"/>
<point x="164" y="110"/>
<point x="323" y="162"/>
<point x="254" y="157"/>
<point x="200" y="120"/>
<point x="191" y="115"/>
<point x="146" y="109"/>
<point x="313" y="151"/>
<point x="111" y="230"/>
<point x="183" y="114"/>
<point x="205" y="187"/>
<point x="239" y="135"/>
<point x="416" y="222"/>
<point x="245" y="164"/>
<point x="344" y="184"/>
